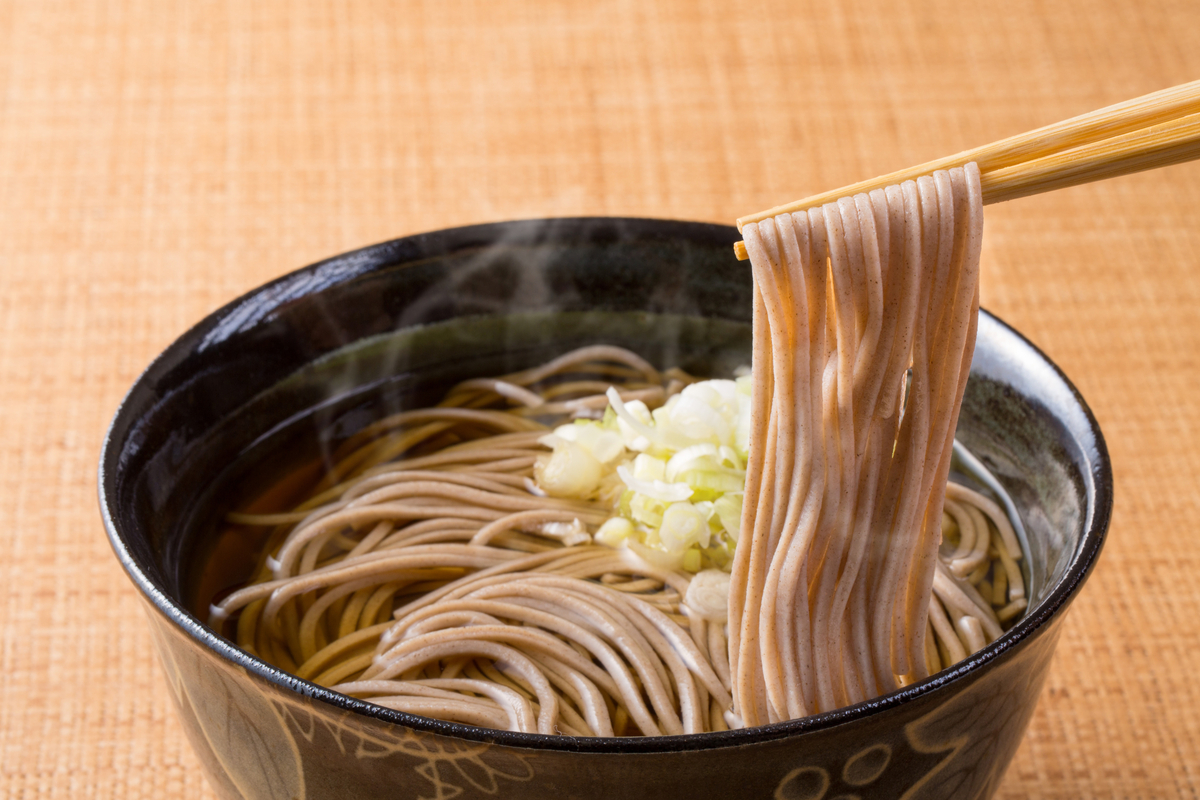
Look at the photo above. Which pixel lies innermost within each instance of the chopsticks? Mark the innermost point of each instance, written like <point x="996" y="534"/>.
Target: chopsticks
<point x="1155" y="130"/>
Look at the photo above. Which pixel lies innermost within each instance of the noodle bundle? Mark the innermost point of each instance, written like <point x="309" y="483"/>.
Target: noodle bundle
<point x="865" y="320"/>
<point x="447" y="566"/>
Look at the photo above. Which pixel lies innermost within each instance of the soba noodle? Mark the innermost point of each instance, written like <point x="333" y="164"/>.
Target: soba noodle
<point x="830" y="596"/>
<point x="430" y="571"/>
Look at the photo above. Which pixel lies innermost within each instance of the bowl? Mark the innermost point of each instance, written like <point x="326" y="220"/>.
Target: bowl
<point x="319" y="353"/>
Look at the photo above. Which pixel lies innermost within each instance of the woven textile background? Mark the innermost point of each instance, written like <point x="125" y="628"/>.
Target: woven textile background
<point x="158" y="158"/>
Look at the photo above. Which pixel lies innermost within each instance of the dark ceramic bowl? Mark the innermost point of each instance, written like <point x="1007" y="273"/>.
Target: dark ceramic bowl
<point x="310" y="358"/>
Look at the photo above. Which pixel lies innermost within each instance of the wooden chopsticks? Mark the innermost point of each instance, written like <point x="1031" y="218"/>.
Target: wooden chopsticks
<point x="1152" y="131"/>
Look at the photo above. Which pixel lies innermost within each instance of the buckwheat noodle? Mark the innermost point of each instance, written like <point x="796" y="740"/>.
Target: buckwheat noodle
<point x="428" y="573"/>
<point x="858" y="299"/>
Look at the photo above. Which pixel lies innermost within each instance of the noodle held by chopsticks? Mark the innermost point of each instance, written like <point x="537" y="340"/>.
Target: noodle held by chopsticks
<point x="857" y="300"/>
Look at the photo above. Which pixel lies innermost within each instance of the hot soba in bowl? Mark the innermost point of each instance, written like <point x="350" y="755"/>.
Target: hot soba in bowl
<point x="254" y="401"/>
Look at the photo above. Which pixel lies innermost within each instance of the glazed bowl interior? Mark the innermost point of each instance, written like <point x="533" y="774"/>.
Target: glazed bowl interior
<point x="293" y="368"/>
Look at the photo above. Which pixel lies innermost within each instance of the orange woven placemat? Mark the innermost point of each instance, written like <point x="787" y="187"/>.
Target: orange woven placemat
<point x="159" y="158"/>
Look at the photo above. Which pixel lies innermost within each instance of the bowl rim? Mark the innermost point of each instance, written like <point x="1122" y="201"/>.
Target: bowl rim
<point x="420" y="246"/>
